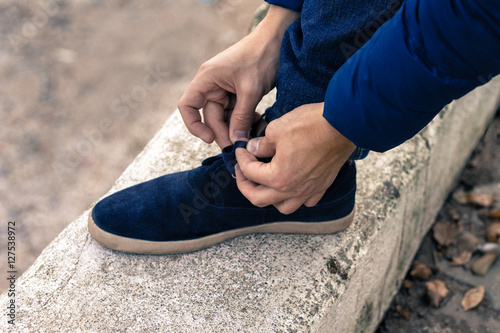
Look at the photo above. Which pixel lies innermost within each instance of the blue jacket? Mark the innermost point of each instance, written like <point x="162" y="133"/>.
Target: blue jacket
<point x="429" y="53"/>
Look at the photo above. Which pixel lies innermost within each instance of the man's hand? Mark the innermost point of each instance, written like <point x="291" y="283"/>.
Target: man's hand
<point x="229" y="86"/>
<point x="307" y="154"/>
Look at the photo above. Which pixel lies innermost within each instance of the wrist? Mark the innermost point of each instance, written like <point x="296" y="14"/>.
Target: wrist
<point x="336" y="138"/>
<point x="276" y="21"/>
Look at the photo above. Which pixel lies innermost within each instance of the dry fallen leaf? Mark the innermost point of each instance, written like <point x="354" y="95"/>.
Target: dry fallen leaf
<point x="403" y="311"/>
<point x="493" y="232"/>
<point x="460" y="197"/>
<point x="472" y="298"/>
<point x="494" y="213"/>
<point x="463" y="242"/>
<point x="436" y="291"/>
<point x="421" y="271"/>
<point x="445" y="233"/>
<point x="462" y="259"/>
<point x="454" y="214"/>
<point x="469" y="241"/>
<point x="407" y="284"/>
<point x="483" y="200"/>
<point x="484" y="195"/>
<point x="492" y="189"/>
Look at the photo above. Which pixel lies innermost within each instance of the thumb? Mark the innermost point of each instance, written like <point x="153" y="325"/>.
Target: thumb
<point x="242" y="117"/>
<point x="261" y="147"/>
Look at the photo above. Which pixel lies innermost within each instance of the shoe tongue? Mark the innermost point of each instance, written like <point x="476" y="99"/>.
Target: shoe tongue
<point x="211" y="160"/>
<point x="229" y="156"/>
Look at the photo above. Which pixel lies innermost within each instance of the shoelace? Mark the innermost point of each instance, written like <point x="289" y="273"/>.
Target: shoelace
<point x="229" y="156"/>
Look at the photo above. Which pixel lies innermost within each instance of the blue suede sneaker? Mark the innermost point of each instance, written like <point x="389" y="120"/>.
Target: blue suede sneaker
<point x="192" y="210"/>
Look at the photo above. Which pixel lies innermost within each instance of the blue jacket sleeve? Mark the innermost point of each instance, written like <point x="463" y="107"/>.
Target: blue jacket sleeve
<point x="428" y="54"/>
<point x="295" y="5"/>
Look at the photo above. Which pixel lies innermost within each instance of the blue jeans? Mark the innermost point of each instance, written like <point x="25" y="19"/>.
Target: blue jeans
<point x="316" y="45"/>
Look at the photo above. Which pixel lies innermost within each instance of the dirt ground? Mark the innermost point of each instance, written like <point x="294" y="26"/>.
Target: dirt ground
<point x="463" y="222"/>
<point x="84" y="85"/>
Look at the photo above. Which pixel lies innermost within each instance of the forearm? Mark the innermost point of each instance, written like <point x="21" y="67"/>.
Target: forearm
<point x="275" y="23"/>
<point x="430" y="53"/>
<point x="262" y="46"/>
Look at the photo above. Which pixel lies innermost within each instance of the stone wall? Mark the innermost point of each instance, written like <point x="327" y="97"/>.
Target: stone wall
<point x="258" y="283"/>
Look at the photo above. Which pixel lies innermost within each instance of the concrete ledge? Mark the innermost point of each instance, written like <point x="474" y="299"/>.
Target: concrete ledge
<point x="258" y="283"/>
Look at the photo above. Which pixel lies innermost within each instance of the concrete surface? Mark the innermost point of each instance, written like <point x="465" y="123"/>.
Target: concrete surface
<point x="491" y="281"/>
<point x="257" y="283"/>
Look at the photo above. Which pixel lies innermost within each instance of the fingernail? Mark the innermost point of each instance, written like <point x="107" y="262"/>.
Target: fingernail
<point x="253" y="145"/>
<point x="241" y="134"/>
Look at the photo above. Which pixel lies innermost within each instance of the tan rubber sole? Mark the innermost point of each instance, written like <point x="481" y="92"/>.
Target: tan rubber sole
<point x="139" y="246"/>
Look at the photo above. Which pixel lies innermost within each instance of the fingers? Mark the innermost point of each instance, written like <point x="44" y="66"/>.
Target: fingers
<point x="214" y="102"/>
<point x="256" y="117"/>
<point x="254" y="170"/>
<point x="243" y="114"/>
<point x="189" y="106"/>
<point x="213" y="114"/>
<point x="258" y="195"/>
<point x="262" y="147"/>
<point x="290" y="205"/>
<point x="262" y="196"/>
<point x="192" y="118"/>
<point x="313" y="200"/>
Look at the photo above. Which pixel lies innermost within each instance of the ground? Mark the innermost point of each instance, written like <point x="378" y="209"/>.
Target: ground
<point x="84" y="85"/>
<point x="466" y="220"/>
